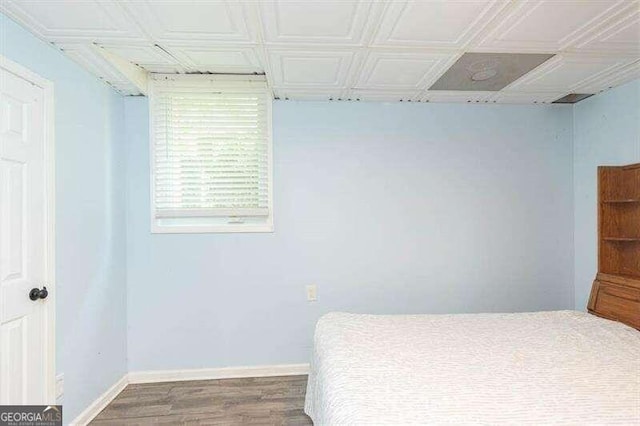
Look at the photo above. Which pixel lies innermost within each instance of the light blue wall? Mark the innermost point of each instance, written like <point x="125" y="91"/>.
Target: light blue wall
<point x="606" y="132"/>
<point x="90" y="219"/>
<point x="388" y="208"/>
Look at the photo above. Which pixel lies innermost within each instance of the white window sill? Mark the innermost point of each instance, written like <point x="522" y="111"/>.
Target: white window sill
<point x="203" y="229"/>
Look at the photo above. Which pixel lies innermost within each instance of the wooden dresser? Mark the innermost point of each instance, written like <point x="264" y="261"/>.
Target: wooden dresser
<point x="616" y="290"/>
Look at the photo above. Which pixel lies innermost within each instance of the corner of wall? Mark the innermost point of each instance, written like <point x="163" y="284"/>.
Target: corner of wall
<point x="573" y="202"/>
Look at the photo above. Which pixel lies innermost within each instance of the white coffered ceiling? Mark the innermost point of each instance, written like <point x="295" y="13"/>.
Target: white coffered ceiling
<point x="349" y="50"/>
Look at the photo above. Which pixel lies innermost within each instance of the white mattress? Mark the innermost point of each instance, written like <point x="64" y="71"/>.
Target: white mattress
<point x="531" y="368"/>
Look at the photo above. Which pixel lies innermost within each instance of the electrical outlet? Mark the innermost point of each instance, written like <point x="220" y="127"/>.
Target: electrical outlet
<point x="312" y="293"/>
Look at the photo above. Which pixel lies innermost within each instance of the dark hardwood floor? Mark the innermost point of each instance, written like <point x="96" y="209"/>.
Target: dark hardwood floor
<point x="252" y="401"/>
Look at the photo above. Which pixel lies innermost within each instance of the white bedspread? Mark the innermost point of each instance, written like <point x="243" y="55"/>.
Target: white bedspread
<point x="531" y="368"/>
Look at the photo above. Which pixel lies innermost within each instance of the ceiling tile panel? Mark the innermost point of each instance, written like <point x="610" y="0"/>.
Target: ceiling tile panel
<point x="455" y="96"/>
<point x="147" y="56"/>
<point x="504" y="97"/>
<point x="192" y="20"/>
<point x="439" y="24"/>
<point x="386" y="50"/>
<point x="620" y="33"/>
<point x="566" y="72"/>
<point x="382" y="95"/>
<point x="315" y="68"/>
<point x="619" y="75"/>
<point x="238" y="60"/>
<point x="315" y="22"/>
<point x="87" y="57"/>
<point x="391" y="70"/>
<point x="70" y="21"/>
<point x="311" y="94"/>
<point x="544" y="25"/>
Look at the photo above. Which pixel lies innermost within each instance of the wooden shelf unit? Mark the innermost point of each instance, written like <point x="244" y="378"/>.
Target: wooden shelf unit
<point x="621" y="201"/>
<point x="619" y="220"/>
<point x="616" y="290"/>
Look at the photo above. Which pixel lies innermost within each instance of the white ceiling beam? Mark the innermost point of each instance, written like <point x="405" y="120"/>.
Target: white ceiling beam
<point x="136" y="75"/>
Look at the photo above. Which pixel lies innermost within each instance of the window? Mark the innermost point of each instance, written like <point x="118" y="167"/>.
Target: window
<point x="210" y="154"/>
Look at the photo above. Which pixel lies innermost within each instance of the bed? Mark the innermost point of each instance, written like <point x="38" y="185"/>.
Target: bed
<point x="562" y="367"/>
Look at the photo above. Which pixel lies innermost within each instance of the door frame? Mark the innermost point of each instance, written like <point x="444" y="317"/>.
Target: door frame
<point x="49" y="218"/>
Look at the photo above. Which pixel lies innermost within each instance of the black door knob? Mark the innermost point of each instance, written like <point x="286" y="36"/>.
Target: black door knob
<point x="36" y="293"/>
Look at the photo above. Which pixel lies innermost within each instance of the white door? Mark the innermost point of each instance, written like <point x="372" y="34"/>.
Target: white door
<point x="25" y="259"/>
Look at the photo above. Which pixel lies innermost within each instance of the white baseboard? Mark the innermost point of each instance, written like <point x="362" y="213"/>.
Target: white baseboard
<point x="100" y="403"/>
<point x="154" y="376"/>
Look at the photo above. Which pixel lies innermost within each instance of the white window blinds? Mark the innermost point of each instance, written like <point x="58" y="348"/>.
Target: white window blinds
<point x="211" y="148"/>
